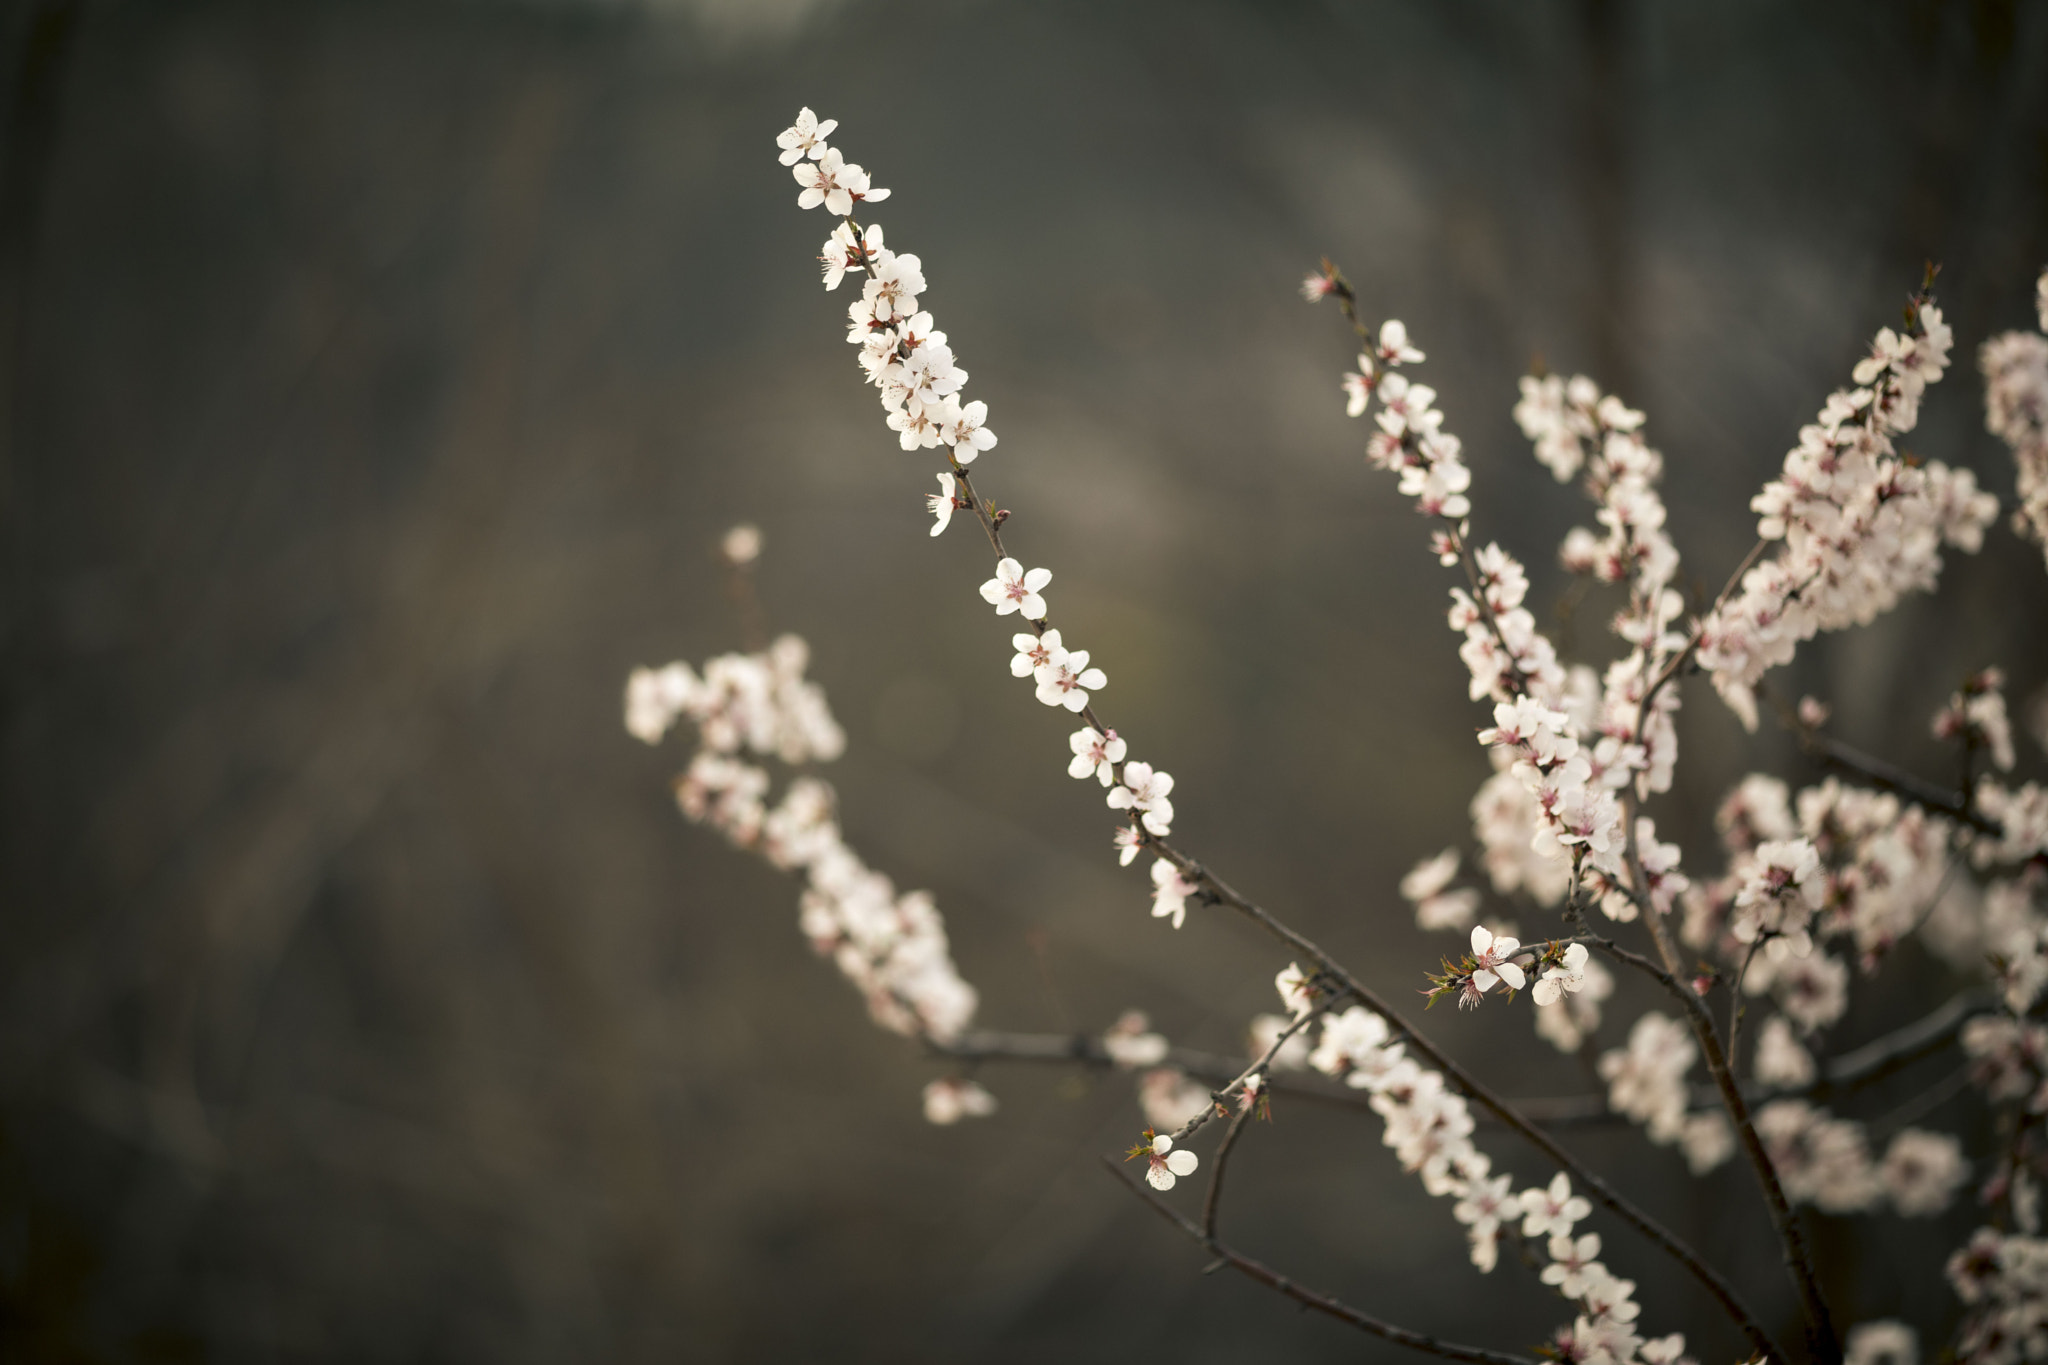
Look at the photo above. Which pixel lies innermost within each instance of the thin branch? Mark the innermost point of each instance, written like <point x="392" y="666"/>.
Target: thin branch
<point x="1309" y="1298"/>
<point x="1888" y="777"/>
<point x="1217" y="1163"/>
<point x="1737" y="1004"/>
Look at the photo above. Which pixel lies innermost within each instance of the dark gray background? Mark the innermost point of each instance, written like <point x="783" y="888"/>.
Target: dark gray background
<point x="378" y="378"/>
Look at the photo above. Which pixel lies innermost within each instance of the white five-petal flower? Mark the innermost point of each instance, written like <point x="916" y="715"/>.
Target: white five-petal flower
<point x="1065" y="679"/>
<point x="964" y="432"/>
<point x="1013" y="589"/>
<point x="1033" y="652"/>
<point x="1145" y="790"/>
<point x="1491" y="955"/>
<point x="1170" y="892"/>
<point x="1569" y="975"/>
<point x="1095" y="752"/>
<point x="805" y="137"/>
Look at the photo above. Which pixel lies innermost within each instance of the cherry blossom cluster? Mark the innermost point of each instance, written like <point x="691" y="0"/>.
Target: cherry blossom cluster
<point x="1429" y="1127"/>
<point x="2015" y="367"/>
<point x="1646" y="1081"/>
<point x="892" y="946"/>
<point x="1859" y="524"/>
<point x="912" y="365"/>
<point x="1825" y="1161"/>
<point x="1551" y="971"/>
<point x="1842" y="864"/>
<point x="2002" y="1278"/>
<point x="1574" y="426"/>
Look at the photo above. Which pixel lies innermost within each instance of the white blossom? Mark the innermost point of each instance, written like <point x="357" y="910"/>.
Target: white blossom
<point x="1490" y="957"/>
<point x="1065" y="679"/>
<point x="1882" y="1343"/>
<point x="1096" y="754"/>
<point x="805" y="138"/>
<point x="1566" y="975"/>
<point x="1131" y="1043"/>
<point x="1922" y="1171"/>
<point x="1145" y="790"/>
<point x="1014" y="589"/>
<point x="1170" y="891"/>
<point x="941" y="503"/>
<point x="948" y="1100"/>
<point x="1165" y="1163"/>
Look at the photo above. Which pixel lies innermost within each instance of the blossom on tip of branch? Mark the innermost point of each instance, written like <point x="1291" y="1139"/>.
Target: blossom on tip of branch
<point x="1170" y="891"/>
<point x="1014" y="589"/>
<point x="805" y="138"/>
<point x="1394" y="347"/>
<point x="831" y="181"/>
<point x="950" y="1099"/>
<point x="1095" y="753"/>
<point x="1163" y="1162"/>
<point x="941" y="504"/>
<point x="742" y="544"/>
<point x="1318" y="285"/>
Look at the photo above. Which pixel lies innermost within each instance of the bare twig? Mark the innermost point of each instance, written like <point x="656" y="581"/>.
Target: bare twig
<point x="1309" y="1298"/>
<point x="1217" y="1163"/>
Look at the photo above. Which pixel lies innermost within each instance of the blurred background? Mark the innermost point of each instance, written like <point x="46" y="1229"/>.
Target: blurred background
<point x="375" y="381"/>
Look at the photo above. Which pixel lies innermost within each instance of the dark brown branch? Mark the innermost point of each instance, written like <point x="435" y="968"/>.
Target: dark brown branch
<point x="1831" y="752"/>
<point x="1217" y="1164"/>
<point x="1309" y="1298"/>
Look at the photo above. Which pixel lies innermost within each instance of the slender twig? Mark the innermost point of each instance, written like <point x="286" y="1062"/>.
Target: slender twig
<point x="1309" y="1298"/>
<point x="1217" y="1163"/>
<point x="1831" y="752"/>
<point x="1260" y="1067"/>
<point x="1738" y="1005"/>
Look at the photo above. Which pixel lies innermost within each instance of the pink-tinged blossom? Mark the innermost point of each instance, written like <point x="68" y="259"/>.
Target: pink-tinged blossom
<point x="1034" y="651"/>
<point x="1562" y="977"/>
<point x="844" y="251"/>
<point x="1013" y="589"/>
<point x="941" y="503"/>
<point x="805" y="138"/>
<point x="2015" y="368"/>
<point x="1095" y="754"/>
<point x="964" y="433"/>
<point x="1128" y="840"/>
<point x="1574" y="1264"/>
<point x="830" y="181"/>
<point x="1131" y="1043"/>
<point x="1144" y="790"/>
<point x="1295" y="994"/>
<point x="1487" y="1205"/>
<point x="1164" y="1163"/>
<point x="1065" y="679"/>
<point x="1358" y="386"/>
<point x="1551" y="1211"/>
<point x="1491" y="964"/>
<point x="1859" y="525"/>
<point x="1317" y="286"/>
<point x="1780" y="1060"/>
<point x="949" y="1099"/>
<point x="1169" y="1098"/>
<point x="1820" y="1160"/>
<point x="1646" y="1080"/>
<point x="1437" y="906"/>
<point x="1170" y="891"/>
<point x="1922" y="1172"/>
<point x="1394" y="348"/>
